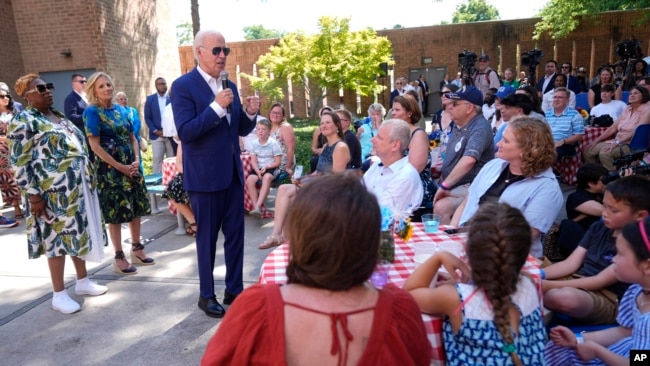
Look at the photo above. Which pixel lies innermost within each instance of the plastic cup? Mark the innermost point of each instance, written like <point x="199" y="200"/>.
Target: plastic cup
<point x="424" y="249"/>
<point x="431" y="223"/>
<point x="379" y="277"/>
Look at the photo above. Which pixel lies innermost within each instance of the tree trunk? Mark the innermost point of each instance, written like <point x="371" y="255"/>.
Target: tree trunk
<point x="196" y="22"/>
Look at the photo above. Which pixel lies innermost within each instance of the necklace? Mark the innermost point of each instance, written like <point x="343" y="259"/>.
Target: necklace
<point x="61" y="122"/>
<point x="511" y="177"/>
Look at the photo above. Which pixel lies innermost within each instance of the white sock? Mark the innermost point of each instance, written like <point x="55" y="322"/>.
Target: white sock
<point x="60" y="293"/>
<point x="82" y="280"/>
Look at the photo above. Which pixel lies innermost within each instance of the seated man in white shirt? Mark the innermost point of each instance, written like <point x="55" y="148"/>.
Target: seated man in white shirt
<point x="394" y="181"/>
<point x="547" y="100"/>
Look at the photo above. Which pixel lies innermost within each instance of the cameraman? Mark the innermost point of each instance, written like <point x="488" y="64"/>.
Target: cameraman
<point x="485" y="78"/>
<point x="614" y="142"/>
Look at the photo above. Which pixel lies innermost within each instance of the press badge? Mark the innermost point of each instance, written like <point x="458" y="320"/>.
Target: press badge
<point x="459" y="144"/>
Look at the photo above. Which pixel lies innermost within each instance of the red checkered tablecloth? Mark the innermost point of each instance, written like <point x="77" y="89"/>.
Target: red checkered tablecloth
<point x="568" y="167"/>
<point x="274" y="271"/>
<point x="169" y="172"/>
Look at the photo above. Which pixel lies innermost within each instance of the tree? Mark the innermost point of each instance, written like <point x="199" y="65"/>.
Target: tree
<point x="474" y="11"/>
<point x="196" y="21"/>
<point x="561" y="17"/>
<point x="184" y="34"/>
<point x="332" y="59"/>
<point x="259" y="32"/>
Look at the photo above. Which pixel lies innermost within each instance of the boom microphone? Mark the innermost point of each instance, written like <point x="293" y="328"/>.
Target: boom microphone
<point x="224" y="86"/>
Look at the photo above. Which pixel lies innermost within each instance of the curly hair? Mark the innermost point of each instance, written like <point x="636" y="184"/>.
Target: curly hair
<point x="498" y="243"/>
<point x="90" y="86"/>
<point x="410" y="105"/>
<point x="328" y="250"/>
<point x="22" y="84"/>
<point x="535" y="139"/>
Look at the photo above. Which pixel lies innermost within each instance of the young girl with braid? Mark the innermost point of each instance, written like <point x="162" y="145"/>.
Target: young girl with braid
<point x="496" y="318"/>
<point x="612" y="346"/>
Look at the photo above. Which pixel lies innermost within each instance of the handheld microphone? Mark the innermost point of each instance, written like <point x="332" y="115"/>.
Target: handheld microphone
<point x="224" y="85"/>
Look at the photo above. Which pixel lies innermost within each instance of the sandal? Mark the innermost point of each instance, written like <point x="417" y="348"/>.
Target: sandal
<point x="145" y="261"/>
<point x="271" y="241"/>
<point x="119" y="257"/>
<point x="191" y="231"/>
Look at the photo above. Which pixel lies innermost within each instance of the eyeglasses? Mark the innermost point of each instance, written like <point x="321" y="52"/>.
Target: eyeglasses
<point x="41" y="88"/>
<point x="81" y="81"/>
<point x="565" y="67"/>
<point x="6" y="96"/>
<point x="457" y="102"/>
<point x="558" y="97"/>
<point x="217" y="50"/>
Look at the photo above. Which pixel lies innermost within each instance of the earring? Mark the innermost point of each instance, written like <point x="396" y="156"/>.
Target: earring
<point x="337" y="131"/>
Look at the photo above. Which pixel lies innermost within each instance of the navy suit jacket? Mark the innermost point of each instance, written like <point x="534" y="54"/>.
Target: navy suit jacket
<point x="152" y="115"/>
<point x="573" y="84"/>
<point x="549" y="87"/>
<point x="210" y="144"/>
<point x="73" y="108"/>
<point x="393" y="94"/>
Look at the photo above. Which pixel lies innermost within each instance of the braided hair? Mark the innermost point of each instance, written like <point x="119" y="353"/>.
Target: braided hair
<point x="497" y="247"/>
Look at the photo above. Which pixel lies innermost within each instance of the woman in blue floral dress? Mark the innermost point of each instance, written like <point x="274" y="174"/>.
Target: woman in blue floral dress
<point x="50" y="158"/>
<point x="122" y="190"/>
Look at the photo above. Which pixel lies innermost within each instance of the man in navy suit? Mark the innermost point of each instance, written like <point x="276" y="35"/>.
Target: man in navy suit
<point x="154" y="107"/>
<point x="572" y="81"/>
<point x="75" y="104"/>
<point x="209" y="120"/>
<point x="547" y="82"/>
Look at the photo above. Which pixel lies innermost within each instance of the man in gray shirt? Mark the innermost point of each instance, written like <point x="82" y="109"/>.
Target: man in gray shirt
<point x="470" y="146"/>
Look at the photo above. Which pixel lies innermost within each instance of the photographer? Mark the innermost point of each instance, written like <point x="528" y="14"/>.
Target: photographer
<point x="614" y="143"/>
<point x="485" y="78"/>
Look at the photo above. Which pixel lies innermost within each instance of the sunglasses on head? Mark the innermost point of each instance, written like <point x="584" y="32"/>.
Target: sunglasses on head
<point x="217" y="50"/>
<point x="41" y="88"/>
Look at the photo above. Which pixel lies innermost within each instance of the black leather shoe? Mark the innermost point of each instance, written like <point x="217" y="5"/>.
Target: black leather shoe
<point x="211" y="307"/>
<point x="228" y="298"/>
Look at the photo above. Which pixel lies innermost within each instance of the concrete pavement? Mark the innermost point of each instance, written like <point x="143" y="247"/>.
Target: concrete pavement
<point x="150" y="318"/>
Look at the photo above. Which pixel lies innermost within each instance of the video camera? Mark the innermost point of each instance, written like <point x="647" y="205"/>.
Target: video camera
<point x="467" y="61"/>
<point x="628" y="49"/>
<point x="625" y="163"/>
<point x="531" y="59"/>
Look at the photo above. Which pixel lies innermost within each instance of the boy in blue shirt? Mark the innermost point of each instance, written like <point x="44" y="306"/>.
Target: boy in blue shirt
<point x="584" y="285"/>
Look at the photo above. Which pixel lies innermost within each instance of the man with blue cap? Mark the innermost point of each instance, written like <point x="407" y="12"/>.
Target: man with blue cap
<point x="469" y="147"/>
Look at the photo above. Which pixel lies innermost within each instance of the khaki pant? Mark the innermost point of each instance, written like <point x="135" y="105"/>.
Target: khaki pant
<point x="596" y="155"/>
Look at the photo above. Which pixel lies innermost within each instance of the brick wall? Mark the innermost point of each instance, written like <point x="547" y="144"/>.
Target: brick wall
<point x="133" y="41"/>
<point x="591" y="45"/>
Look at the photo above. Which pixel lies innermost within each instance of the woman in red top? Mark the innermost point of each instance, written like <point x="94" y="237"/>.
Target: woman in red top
<point x="328" y="311"/>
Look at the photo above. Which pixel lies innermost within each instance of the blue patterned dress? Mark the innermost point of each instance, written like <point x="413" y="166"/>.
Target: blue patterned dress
<point x="628" y="316"/>
<point x="51" y="159"/>
<point x="122" y="198"/>
<point x="479" y="342"/>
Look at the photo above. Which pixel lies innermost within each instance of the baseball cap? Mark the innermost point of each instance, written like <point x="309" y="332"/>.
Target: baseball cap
<point x="484" y="57"/>
<point x="470" y="94"/>
<point x="504" y="91"/>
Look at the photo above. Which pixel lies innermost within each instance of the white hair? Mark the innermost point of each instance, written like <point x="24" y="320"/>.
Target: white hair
<point x="198" y="39"/>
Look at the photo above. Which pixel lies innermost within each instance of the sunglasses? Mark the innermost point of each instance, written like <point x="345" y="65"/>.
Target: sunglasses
<point x="6" y="96"/>
<point x="81" y="81"/>
<point x="41" y="89"/>
<point x="217" y="50"/>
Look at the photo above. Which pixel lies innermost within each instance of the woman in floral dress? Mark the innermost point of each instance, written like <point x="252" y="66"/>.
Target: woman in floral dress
<point x="52" y="167"/>
<point x="122" y="190"/>
<point x="8" y="187"/>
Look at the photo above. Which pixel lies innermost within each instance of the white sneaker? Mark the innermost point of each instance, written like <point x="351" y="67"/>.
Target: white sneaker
<point x="88" y="287"/>
<point x="62" y="302"/>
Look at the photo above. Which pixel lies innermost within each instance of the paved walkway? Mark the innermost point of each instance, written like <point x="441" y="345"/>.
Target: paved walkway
<point x="150" y="318"/>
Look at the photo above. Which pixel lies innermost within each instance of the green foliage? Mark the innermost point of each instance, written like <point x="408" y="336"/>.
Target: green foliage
<point x="561" y="17"/>
<point x="184" y="34"/>
<point x="333" y="59"/>
<point x="252" y="32"/>
<point x="474" y="11"/>
<point x="304" y="129"/>
<point x="147" y="160"/>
